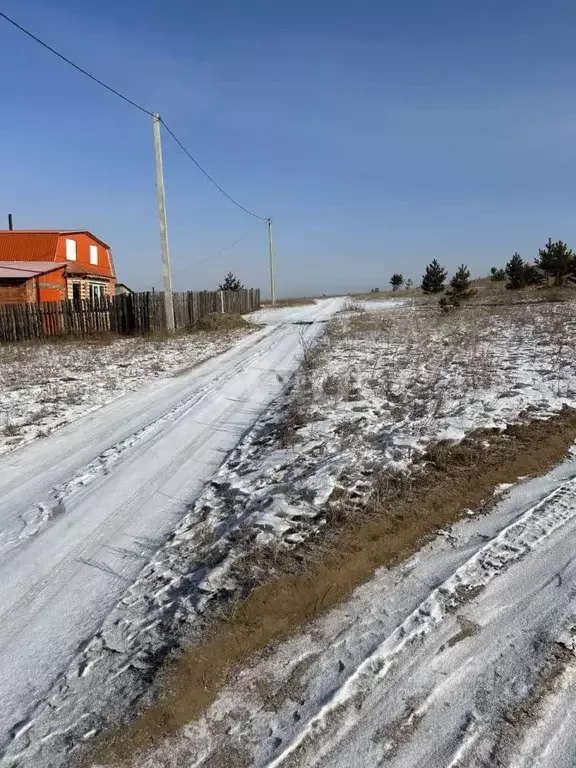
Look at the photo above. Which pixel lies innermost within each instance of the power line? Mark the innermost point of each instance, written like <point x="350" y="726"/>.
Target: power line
<point x="138" y="106"/>
<point x="71" y="63"/>
<point x="214" y="255"/>
<point x="213" y="181"/>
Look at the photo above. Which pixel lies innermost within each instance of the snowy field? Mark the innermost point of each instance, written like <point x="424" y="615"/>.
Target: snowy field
<point x="45" y="386"/>
<point x="374" y="393"/>
<point x="443" y="662"/>
<point x="83" y="510"/>
<point x="377" y="389"/>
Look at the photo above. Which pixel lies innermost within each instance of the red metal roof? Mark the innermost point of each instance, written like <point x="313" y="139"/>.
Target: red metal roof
<point x="53" y="232"/>
<point x="23" y="270"/>
<point x="28" y="246"/>
<point x="76" y="268"/>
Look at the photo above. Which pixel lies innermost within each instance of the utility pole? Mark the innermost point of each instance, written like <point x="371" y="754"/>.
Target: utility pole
<point x="167" y="278"/>
<point x="271" y="253"/>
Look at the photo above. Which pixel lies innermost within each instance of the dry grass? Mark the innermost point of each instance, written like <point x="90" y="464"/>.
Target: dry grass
<point x="289" y="302"/>
<point x="399" y="515"/>
<point x="412" y="292"/>
<point x="221" y="322"/>
<point x="490" y="292"/>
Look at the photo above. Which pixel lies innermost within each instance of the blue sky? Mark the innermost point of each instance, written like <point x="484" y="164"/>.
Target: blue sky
<point x="378" y="135"/>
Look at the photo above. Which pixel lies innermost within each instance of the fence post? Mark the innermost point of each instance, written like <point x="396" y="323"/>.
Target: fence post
<point x="222" y="302"/>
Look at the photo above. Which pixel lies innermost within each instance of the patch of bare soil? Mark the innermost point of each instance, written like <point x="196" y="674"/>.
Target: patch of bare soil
<point x="401" y="513"/>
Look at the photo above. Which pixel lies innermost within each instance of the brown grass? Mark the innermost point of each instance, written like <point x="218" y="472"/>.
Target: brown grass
<point x="402" y="292"/>
<point x="399" y="516"/>
<point x="488" y="293"/>
<point x="290" y="302"/>
<point x="219" y="322"/>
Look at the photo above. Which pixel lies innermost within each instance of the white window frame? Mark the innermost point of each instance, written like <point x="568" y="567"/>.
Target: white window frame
<point x="71" y="249"/>
<point x="96" y="290"/>
<point x="94" y="254"/>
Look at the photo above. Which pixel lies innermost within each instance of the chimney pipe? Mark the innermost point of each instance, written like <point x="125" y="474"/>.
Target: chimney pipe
<point x="10" y="225"/>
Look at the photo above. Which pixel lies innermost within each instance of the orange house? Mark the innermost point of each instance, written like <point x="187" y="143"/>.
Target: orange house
<point x="52" y="265"/>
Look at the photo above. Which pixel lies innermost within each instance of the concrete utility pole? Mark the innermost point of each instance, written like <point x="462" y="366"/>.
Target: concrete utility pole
<point x="271" y="253"/>
<point x="167" y="277"/>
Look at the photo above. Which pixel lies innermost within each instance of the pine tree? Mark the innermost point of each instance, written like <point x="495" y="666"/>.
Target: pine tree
<point x="520" y="273"/>
<point x="459" y="289"/>
<point x="556" y="260"/>
<point x="434" y="277"/>
<point x="231" y="283"/>
<point x="516" y="272"/>
<point x="396" y="281"/>
<point x="497" y="274"/>
<point x="532" y="275"/>
<point x="409" y="283"/>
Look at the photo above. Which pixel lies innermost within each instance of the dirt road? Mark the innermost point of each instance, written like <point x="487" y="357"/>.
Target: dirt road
<point x="82" y="511"/>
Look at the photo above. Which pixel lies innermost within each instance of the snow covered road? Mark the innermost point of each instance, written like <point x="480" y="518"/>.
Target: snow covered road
<point x="82" y="511"/>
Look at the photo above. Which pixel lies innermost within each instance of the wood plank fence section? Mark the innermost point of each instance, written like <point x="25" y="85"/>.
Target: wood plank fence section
<point x="132" y="314"/>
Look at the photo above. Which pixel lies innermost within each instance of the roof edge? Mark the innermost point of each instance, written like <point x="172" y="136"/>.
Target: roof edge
<point x="54" y="232"/>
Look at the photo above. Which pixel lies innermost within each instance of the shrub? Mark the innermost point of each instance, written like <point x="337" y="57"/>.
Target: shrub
<point x="497" y="275"/>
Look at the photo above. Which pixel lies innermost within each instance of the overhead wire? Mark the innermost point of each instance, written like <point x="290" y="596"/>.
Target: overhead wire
<point x="137" y="106"/>
<point x="72" y="64"/>
<point x="210" y="178"/>
<point x="213" y="255"/>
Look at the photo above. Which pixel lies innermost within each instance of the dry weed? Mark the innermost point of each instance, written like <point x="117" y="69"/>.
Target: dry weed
<point x="400" y="514"/>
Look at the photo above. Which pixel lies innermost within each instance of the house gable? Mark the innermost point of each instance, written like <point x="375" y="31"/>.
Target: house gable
<point x="85" y="253"/>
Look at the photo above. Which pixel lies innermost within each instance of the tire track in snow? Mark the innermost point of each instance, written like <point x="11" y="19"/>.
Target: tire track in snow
<point x="130" y="508"/>
<point x="511" y="544"/>
<point x="182" y="453"/>
<point x="53" y="505"/>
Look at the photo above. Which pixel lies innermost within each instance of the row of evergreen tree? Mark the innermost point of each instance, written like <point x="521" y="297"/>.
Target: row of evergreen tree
<point x="434" y="279"/>
<point x="459" y="289"/>
<point x="555" y="263"/>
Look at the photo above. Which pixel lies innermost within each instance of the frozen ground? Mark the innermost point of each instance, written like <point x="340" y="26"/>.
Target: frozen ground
<point x="83" y="510"/>
<point x="45" y="386"/>
<point x="374" y="394"/>
<point x="380" y="387"/>
<point x="444" y="662"/>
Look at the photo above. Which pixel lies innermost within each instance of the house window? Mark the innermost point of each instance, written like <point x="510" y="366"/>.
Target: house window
<point x="97" y="290"/>
<point x="93" y="254"/>
<point x="70" y="250"/>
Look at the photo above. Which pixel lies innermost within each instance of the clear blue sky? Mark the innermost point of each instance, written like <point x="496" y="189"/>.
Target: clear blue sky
<point x="378" y="135"/>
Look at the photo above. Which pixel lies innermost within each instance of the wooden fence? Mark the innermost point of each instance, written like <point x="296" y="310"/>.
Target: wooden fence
<point x="136" y="313"/>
